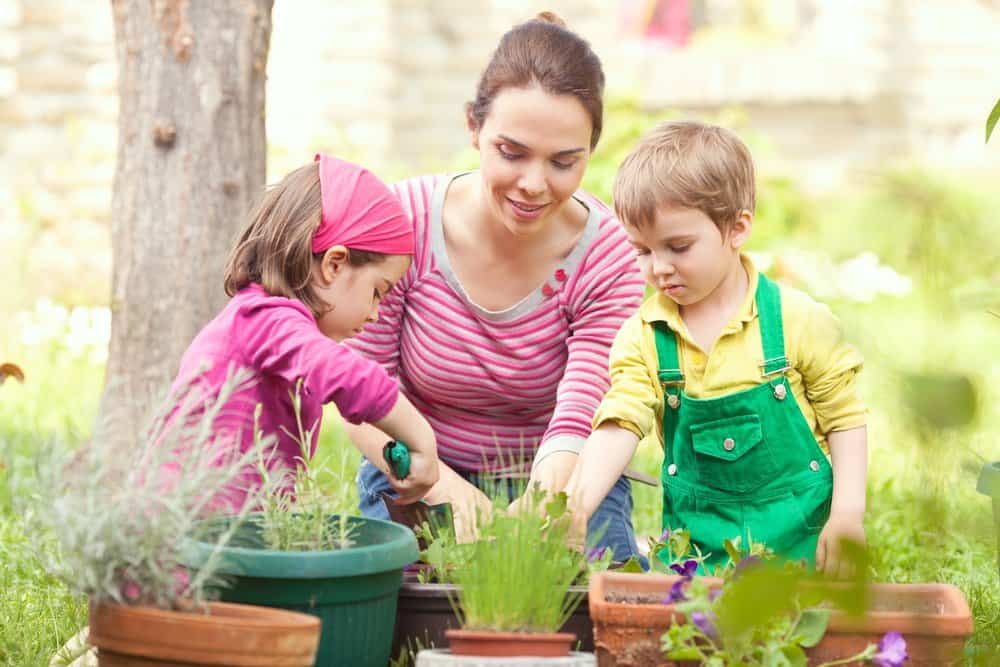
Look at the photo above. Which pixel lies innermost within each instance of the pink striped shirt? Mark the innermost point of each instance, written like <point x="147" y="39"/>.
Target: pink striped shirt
<point x="504" y="387"/>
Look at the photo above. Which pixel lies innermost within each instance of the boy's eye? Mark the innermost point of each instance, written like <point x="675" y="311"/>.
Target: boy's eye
<point x="680" y="248"/>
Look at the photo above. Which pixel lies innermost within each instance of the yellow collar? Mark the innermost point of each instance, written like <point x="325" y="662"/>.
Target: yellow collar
<point x="660" y="307"/>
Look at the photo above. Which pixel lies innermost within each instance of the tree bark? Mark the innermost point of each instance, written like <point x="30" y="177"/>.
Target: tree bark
<point x="191" y="156"/>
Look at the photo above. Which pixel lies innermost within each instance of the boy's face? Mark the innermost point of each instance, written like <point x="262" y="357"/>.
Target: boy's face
<point x="684" y="255"/>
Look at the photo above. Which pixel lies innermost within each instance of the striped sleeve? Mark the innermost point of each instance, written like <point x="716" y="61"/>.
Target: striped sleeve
<point x="606" y="290"/>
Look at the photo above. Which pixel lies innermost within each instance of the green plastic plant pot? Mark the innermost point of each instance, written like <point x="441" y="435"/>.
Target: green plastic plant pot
<point x="353" y="591"/>
<point x="989" y="485"/>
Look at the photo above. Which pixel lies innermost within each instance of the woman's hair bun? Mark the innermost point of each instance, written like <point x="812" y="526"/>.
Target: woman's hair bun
<point x="550" y="17"/>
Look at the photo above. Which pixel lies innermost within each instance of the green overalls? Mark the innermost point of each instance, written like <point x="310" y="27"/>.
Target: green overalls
<point x="744" y="464"/>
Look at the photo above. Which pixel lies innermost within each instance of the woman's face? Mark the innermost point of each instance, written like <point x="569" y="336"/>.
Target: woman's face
<point x="534" y="148"/>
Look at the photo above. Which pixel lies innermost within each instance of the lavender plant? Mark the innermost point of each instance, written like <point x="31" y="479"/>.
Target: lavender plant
<point x="111" y="524"/>
<point x="296" y="514"/>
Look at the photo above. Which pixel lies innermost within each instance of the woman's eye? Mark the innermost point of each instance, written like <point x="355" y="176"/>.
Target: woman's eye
<point x="506" y="154"/>
<point x="563" y="165"/>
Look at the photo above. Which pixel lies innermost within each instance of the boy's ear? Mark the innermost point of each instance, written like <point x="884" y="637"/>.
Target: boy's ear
<point x="739" y="233"/>
<point x="332" y="263"/>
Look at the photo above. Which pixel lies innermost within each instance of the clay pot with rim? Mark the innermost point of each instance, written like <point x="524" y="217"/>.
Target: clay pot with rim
<point x="486" y="644"/>
<point x="228" y="634"/>
<point x="934" y="619"/>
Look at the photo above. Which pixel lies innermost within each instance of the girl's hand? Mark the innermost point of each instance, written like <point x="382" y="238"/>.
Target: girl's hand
<point x="424" y="474"/>
<point x="840" y="527"/>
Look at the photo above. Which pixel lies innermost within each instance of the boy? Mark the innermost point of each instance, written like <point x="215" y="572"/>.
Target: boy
<point x="749" y="387"/>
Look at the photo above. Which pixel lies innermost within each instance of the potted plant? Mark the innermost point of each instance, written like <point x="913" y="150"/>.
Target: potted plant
<point x="511" y="593"/>
<point x="427" y="600"/>
<point x="758" y="610"/>
<point x="110" y="524"/>
<point x="298" y="554"/>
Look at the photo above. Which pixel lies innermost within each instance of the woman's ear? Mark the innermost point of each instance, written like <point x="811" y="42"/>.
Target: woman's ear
<point x="332" y="263"/>
<point x="472" y="125"/>
<point x="739" y="233"/>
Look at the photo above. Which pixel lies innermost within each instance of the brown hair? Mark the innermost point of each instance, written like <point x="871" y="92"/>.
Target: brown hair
<point x="275" y="248"/>
<point x="543" y="52"/>
<point x="686" y="164"/>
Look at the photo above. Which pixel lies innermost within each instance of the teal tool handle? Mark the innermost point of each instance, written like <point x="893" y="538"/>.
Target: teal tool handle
<point x="397" y="456"/>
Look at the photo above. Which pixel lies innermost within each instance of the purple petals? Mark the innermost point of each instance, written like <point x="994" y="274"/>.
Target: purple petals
<point x="676" y="593"/>
<point x="687" y="569"/>
<point x="595" y="554"/>
<point x="891" y="651"/>
<point x="703" y="621"/>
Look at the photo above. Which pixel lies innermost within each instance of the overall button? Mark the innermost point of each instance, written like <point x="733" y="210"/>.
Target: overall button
<point x="673" y="401"/>
<point x="780" y="392"/>
<point x="814" y="466"/>
<point x="729" y="444"/>
<point x="672" y="469"/>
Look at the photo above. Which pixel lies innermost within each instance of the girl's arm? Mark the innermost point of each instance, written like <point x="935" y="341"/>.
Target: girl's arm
<point x="849" y="451"/>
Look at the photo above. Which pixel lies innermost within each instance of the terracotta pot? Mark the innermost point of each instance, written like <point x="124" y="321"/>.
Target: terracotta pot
<point x="229" y="634"/>
<point x="424" y="613"/>
<point x="934" y="619"/>
<point x="509" y="644"/>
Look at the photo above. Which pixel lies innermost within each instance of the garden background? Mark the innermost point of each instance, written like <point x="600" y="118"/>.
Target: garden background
<point x="878" y="195"/>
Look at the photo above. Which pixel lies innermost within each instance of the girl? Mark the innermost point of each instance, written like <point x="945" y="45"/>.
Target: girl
<point x="322" y="249"/>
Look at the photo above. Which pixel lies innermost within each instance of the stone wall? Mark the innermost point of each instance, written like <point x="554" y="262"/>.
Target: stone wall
<point x="849" y="85"/>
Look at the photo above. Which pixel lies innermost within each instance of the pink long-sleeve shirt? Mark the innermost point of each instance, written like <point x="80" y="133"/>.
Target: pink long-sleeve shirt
<point x="504" y="387"/>
<point x="276" y="339"/>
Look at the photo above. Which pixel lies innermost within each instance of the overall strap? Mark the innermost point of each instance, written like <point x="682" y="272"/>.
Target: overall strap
<point x="772" y="332"/>
<point x="670" y="377"/>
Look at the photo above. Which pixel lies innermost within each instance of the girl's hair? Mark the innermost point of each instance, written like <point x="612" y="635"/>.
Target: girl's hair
<point x="543" y="52"/>
<point x="275" y="249"/>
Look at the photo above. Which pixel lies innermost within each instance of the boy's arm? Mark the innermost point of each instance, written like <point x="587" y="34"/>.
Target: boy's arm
<point x="606" y="454"/>
<point x="849" y="451"/>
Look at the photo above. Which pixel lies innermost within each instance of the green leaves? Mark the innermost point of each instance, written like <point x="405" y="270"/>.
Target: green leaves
<point x="811" y="627"/>
<point x="991" y="122"/>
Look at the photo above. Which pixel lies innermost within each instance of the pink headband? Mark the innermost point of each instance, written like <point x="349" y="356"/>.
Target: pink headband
<point x="359" y="211"/>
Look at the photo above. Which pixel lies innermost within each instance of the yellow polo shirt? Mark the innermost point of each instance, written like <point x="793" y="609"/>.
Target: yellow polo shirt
<point x="823" y="370"/>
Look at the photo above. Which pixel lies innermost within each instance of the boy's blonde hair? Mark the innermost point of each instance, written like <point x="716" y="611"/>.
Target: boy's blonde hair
<point x="686" y="164"/>
<point x="275" y="248"/>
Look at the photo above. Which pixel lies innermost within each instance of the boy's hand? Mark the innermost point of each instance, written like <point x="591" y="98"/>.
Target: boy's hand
<point x="577" y="535"/>
<point x="423" y="476"/>
<point x="839" y="527"/>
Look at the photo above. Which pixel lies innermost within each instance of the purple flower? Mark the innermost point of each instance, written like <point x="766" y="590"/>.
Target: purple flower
<point x="748" y="562"/>
<point x="714" y="594"/>
<point x="595" y="554"/>
<point x="676" y="593"/>
<point x="665" y="536"/>
<point x="687" y="569"/>
<point x="704" y="623"/>
<point x="891" y="651"/>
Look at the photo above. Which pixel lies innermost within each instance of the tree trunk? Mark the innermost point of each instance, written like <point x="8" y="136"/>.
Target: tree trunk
<point x="191" y="156"/>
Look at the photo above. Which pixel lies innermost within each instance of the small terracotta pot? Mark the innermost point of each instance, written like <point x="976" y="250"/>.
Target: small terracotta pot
<point x="229" y="634"/>
<point x="509" y="644"/>
<point x="934" y="619"/>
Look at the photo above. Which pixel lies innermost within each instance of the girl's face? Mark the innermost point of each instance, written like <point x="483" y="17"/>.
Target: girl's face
<point x="685" y="255"/>
<point x="533" y="148"/>
<point x="353" y="293"/>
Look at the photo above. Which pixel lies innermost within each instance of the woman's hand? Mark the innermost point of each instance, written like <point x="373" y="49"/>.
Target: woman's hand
<point x="424" y="474"/>
<point x="469" y="505"/>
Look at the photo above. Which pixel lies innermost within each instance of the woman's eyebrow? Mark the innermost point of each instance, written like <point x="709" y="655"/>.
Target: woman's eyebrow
<point x="515" y="142"/>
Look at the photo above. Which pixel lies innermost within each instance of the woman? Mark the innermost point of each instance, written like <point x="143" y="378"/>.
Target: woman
<point x="500" y="331"/>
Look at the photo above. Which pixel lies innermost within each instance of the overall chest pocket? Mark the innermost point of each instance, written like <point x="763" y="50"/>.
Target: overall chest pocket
<point x="731" y="454"/>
